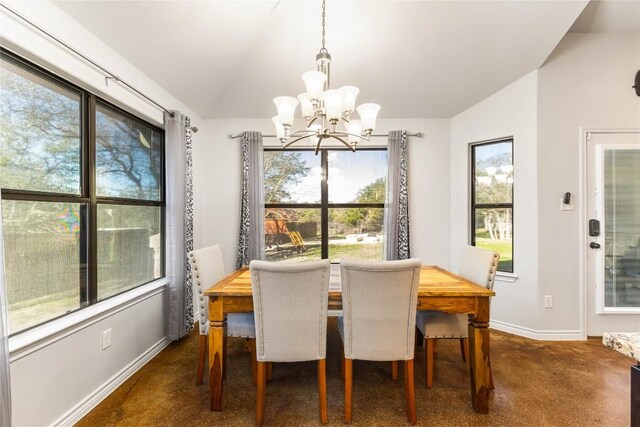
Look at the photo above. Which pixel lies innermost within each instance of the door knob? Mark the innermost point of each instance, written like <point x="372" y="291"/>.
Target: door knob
<point x="594" y="245"/>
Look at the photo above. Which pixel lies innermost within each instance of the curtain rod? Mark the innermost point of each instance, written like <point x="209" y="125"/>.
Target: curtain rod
<point x="110" y="75"/>
<point x="379" y="135"/>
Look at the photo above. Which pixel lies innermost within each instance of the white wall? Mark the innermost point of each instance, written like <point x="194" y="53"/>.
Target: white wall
<point x="511" y="112"/>
<point x="67" y="377"/>
<point x="217" y="165"/>
<point x="60" y="377"/>
<point x="586" y="82"/>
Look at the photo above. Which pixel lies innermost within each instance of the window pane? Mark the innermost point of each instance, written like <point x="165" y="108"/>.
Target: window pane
<point x="129" y="247"/>
<point x="356" y="233"/>
<point x="622" y="228"/>
<point x="40" y="133"/>
<point x="494" y="231"/>
<point x="292" y="234"/>
<point x="358" y="177"/>
<point x="292" y="177"/>
<point x="128" y="157"/>
<point x="494" y="173"/>
<point x="43" y="251"/>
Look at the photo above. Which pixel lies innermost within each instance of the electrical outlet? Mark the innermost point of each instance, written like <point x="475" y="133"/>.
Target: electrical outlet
<point x="548" y="301"/>
<point x="106" y="339"/>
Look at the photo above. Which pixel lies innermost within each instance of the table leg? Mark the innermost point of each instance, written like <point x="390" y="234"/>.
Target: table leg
<point x="217" y="346"/>
<point x="479" y="356"/>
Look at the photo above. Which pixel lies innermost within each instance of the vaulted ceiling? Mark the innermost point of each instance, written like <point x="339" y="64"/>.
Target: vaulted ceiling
<point x="228" y="59"/>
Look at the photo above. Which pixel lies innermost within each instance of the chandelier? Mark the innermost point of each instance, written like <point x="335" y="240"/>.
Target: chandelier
<point x="324" y="108"/>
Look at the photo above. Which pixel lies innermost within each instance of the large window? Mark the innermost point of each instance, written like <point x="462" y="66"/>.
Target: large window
<point x="492" y="199"/>
<point x="329" y="205"/>
<point x="82" y="196"/>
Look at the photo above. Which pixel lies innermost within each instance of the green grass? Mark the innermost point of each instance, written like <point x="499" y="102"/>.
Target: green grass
<point x="371" y="251"/>
<point x="503" y="247"/>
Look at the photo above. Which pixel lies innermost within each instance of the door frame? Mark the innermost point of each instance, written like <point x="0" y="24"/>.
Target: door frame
<point x="584" y="136"/>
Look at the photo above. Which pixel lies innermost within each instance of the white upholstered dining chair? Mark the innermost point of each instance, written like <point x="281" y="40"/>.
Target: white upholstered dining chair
<point x="290" y="301"/>
<point x="207" y="268"/>
<point x="379" y="303"/>
<point x="479" y="266"/>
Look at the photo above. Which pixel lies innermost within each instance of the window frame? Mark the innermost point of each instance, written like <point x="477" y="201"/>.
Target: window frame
<point x="324" y="204"/>
<point x="87" y="198"/>
<point x="473" y="206"/>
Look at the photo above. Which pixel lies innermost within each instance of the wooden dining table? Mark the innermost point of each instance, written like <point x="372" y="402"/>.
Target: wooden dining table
<point x="439" y="290"/>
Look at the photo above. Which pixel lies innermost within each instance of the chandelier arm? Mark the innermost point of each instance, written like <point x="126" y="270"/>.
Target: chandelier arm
<point x="352" y="148"/>
<point x="296" y="140"/>
<point x="313" y="119"/>
<point x="298" y="133"/>
<point x="343" y="134"/>
<point x="320" y="138"/>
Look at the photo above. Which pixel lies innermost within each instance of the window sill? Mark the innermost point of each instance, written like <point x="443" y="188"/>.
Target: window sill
<point x="41" y="336"/>
<point x="506" y="277"/>
<point x="618" y="310"/>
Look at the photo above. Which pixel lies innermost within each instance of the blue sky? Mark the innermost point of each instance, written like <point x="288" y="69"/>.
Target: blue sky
<point x="348" y="173"/>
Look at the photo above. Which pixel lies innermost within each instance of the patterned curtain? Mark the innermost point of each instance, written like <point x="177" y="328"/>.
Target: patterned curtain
<point x="179" y="222"/>
<point x="188" y="224"/>
<point x="251" y="235"/>
<point x="5" y="381"/>
<point x="396" y="218"/>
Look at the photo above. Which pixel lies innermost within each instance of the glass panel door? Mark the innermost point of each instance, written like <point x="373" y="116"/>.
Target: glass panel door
<point x="612" y="232"/>
<point x="621" y="200"/>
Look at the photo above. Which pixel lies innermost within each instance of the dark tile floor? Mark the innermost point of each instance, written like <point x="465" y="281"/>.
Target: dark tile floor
<point x="537" y="384"/>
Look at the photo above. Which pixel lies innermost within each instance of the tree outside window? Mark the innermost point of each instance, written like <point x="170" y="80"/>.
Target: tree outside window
<point x="492" y="199"/>
<point x="325" y="206"/>
<point x="68" y="242"/>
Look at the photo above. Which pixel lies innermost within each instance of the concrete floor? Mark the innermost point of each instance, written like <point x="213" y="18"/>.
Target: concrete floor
<point x="537" y="384"/>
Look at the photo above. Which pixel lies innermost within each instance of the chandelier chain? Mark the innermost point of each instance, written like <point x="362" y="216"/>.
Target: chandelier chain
<point x="324" y="49"/>
<point x="325" y="107"/>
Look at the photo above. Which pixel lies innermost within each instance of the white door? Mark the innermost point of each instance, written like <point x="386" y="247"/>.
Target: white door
<point x="613" y="232"/>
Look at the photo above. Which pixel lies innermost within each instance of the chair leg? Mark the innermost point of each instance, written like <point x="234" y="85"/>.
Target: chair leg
<point x="394" y="370"/>
<point x="322" y="389"/>
<point x="464" y="349"/>
<point x="410" y="391"/>
<point x="261" y="392"/>
<point x="348" y="386"/>
<point x="342" y="363"/>
<point x="202" y="356"/>
<point x="269" y="370"/>
<point x="252" y="349"/>
<point x="428" y="361"/>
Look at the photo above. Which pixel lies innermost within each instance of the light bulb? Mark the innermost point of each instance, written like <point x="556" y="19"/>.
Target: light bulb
<point x="286" y="106"/>
<point x="279" y="129"/>
<point x="354" y="127"/>
<point x="349" y="94"/>
<point x="368" y="113"/>
<point x="332" y="105"/>
<point x="314" y="81"/>
<point x="306" y="106"/>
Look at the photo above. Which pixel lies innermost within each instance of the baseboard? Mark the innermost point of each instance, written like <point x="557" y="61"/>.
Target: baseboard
<point x="540" y="335"/>
<point x="76" y="413"/>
